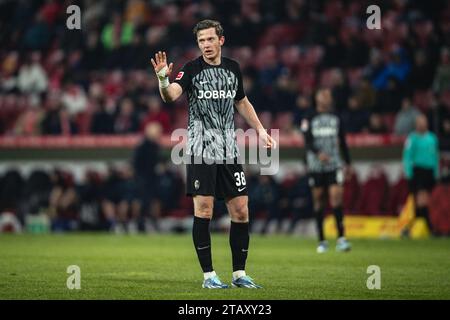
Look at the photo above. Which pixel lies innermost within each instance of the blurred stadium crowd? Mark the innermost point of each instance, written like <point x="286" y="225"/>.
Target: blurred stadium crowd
<point x="98" y="80"/>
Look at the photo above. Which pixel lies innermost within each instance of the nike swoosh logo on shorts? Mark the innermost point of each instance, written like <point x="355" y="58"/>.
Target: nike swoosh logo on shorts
<point x="241" y="189"/>
<point x="201" y="248"/>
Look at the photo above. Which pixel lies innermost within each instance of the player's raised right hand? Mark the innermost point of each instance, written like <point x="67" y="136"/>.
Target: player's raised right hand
<point x="160" y="64"/>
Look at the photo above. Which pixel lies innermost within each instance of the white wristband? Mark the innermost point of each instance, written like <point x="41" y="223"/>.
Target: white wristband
<point x="164" y="83"/>
<point x="163" y="78"/>
<point x="162" y="73"/>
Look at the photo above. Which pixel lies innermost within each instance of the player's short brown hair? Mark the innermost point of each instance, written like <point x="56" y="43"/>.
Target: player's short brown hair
<point x="206" y="24"/>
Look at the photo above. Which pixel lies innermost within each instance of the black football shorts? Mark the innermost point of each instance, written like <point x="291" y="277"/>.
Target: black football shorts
<point x="423" y="180"/>
<point x="326" y="179"/>
<point x="220" y="180"/>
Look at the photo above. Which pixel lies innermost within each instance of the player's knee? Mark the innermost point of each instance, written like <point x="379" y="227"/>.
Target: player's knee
<point x="336" y="200"/>
<point x="204" y="210"/>
<point x="422" y="199"/>
<point x="336" y="203"/>
<point x="240" y="213"/>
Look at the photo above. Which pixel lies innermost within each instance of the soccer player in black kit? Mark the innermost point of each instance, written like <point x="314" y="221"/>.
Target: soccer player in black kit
<point x="214" y="87"/>
<point x="324" y="139"/>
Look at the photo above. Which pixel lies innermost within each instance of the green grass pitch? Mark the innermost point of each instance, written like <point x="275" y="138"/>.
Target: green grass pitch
<point x="166" y="267"/>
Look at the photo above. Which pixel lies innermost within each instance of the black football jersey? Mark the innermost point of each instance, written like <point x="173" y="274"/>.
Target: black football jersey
<point x="211" y="91"/>
<point x="323" y="132"/>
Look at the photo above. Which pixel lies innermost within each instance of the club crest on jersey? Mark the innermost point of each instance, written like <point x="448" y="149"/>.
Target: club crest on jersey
<point x="216" y="94"/>
<point x="179" y="75"/>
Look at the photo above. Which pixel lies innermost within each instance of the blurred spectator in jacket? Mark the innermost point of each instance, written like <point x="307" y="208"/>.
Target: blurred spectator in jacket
<point x="398" y="68"/>
<point x="74" y="99"/>
<point x="103" y="118"/>
<point x="405" y="120"/>
<point x="376" y="124"/>
<point x="28" y="123"/>
<point x="444" y="139"/>
<point x="422" y="72"/>
<point x="11" y="189"/>
<point x="366" y="94"/>
<point x="170" y="188"/>
<point x="110" y="198"/>
<point x="32" y="78"/>
<point x="300" y="201"/>
<point x="117" y="33"/>
<point x="264" y="196"/>
<point x="355" y="119"/>
<point x="441" y="80"/>
<point x="156" y="114"/>
<point x="302" y="109"/>
<point x="90" y="197"/>
<point x="57" y="120"/>
<point x="340" y="90"/>
<point x="38" y="34"/>
<point x="126" y="120"/>
<point x="129" y="206"/>
<point x="389" y="99"/>
<point x="63" y="203"/>
<point x="146" y="157"/>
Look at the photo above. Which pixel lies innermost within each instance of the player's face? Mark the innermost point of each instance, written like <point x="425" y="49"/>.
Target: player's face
<point x="209" y="43"/>
<point x="324" y="100"/>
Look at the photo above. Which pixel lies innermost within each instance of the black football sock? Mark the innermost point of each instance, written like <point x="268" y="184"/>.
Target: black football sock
<point x="239" y="242"/>
<point x="339" y="215"/>
<point x="319" y="224"/>
<point x="202" y="243"/>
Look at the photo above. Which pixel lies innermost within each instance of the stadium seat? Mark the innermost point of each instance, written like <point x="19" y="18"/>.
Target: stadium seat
<point x="352" y="189"/>
<point x="83" y="121"/>
<point x="389" y="121"/>
<point x="374" y="193"/>
<point x="422" y="99"/>
<point x="440" y="209"/>
<point x="397" y="196"/>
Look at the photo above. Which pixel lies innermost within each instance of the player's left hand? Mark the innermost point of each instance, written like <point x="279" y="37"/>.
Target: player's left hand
<point x="269" y="142"/>
<point x="323" y="157"/>
<point x="348" y="170"/>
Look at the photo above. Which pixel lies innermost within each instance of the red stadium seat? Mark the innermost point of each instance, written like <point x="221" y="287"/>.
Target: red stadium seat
<point x="397" y="196"/>
<point x="440" y="209"/>
<point x="374" y="194"/>
<point x="83" y="121"/>
<point x="389" y="121"/>
<point x="422" y="100"/>
<point x="351" y="193"/>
